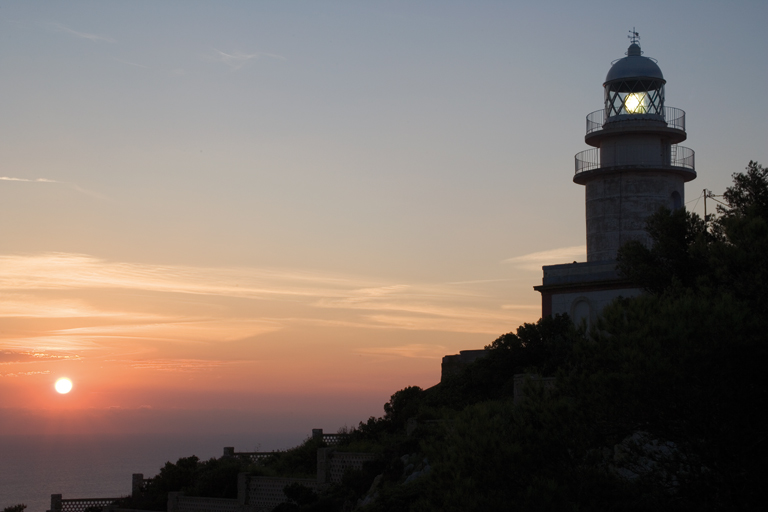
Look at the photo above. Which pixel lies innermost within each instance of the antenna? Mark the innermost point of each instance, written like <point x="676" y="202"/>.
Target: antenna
<point x="634" y="36"/>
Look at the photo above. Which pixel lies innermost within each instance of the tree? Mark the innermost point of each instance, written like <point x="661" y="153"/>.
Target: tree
<point x="724" y="257"/>
<point x="677" y="257"/>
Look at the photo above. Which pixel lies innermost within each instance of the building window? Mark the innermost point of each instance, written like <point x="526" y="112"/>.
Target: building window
<point x="581" y="310"/>
<point x="677" y="201"/>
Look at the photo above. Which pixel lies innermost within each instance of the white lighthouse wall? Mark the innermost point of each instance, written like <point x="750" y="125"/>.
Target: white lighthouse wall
<point x="618" y="204"/>
<point x="586" y="305"/>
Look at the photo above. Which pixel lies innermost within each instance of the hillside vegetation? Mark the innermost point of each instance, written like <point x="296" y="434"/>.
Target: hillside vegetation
<point x="661" y="405"/>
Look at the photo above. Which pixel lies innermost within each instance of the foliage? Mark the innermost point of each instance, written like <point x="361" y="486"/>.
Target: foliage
<point x="402" y="405"/>
<point x="536" y="348"/>
<point x="499" y="456"/>
<point x="15" y="508"/>
<point x="215" y="478"/>
<point x="677" y="258"/>
<point x="684" y="369"/>
<point x="299" y="494"/>
<point x="725" y="257"/>
<point x="299" y="461"/>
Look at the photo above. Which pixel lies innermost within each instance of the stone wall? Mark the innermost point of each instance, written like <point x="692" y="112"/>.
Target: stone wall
<point x="177" y="502"/>
<point x="453" y="364"/>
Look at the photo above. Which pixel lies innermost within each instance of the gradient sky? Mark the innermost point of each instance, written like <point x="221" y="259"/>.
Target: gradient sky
<point x="286" y="211"/>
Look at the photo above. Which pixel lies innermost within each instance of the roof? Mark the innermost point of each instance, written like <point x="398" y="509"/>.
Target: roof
<point x="634" y="65"/>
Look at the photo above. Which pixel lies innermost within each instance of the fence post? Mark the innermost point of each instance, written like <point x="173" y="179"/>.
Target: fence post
<point x="323" y="454"/>
<point x="55" y="503"/>
<point x="137" y="484"/>
<point x="242" y="488"/>
<point x="173" y="501"/>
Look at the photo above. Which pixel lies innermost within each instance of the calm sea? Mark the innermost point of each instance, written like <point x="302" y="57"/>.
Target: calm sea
<point x="34" y="467"/>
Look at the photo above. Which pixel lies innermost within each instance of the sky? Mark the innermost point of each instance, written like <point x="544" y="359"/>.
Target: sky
<point x="249" y="216"/>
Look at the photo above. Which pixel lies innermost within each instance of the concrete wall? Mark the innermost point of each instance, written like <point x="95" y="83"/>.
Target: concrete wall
<point x="618" y="204"/>
<point x="180" y="503"/>
<point x="331" y="464"/>
<point x="586" y="305"/>
<point x="265" y="493"/>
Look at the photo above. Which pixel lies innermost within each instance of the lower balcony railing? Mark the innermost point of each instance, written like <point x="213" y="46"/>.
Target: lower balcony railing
<point x="679" y="156"/>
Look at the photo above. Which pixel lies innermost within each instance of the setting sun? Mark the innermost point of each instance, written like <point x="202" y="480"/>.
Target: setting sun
<point x="63" y="385"/>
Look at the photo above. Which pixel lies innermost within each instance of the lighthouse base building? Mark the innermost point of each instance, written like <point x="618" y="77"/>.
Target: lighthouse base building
<point x="635" y="167"/>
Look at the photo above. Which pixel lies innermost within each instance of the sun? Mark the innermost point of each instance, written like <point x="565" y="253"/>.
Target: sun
<point x="63" y="385"/>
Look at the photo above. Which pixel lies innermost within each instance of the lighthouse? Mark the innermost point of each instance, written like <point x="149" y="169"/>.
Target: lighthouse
<point x="636" y="165"/>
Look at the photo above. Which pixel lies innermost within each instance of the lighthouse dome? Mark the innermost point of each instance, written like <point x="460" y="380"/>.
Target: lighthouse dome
<point x="634" y="66"/>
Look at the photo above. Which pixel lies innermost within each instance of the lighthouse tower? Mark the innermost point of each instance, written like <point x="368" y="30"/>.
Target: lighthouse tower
<point x="635" y="166"/>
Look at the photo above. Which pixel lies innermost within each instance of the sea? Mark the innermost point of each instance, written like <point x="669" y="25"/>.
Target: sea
<point x="100" y="466"/>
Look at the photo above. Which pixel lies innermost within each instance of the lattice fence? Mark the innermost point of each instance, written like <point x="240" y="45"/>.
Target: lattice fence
<point x="334" y="439"/>
<point x="85" y="504"/>
<point x="340" y="461"/>
<point x="254" y="457"/>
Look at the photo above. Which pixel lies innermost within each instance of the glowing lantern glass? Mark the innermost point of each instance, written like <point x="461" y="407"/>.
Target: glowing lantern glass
<point x="634" y="85"/>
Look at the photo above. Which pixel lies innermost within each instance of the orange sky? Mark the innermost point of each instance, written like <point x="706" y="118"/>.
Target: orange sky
<point x="135" y="336"/>
<point x="284" y="213"/>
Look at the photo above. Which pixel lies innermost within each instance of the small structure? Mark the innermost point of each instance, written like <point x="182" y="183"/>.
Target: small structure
<point x="635" y="167"/>
<point x="452" y="365"/>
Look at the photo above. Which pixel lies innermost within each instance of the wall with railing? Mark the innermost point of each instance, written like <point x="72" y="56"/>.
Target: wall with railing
<point x="254" y="492"/>
<point x="59" y="504"/>
<point x="249" y="457"/>
<point x="265" y="492"/>
<point x="339" y="462"/>
<point x="329" y="439"/>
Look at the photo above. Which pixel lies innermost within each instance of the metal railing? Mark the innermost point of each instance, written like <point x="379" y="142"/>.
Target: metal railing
<point x="674" y="117"/>
<point x="679" y="156"/>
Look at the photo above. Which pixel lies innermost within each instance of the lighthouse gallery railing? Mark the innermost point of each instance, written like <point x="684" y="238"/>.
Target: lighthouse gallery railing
<point x="674" y="117"/>
<point x="680" y="156"/>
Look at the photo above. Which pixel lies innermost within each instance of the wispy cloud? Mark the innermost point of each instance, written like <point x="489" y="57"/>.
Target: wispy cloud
<point x="23" y="374"/>
<point x="177" y="365"/>
<point x="11" y="357"/>
<point x="535" y="260"/>
<point x="73" y="271"/>
<point x="59" y="27"/>
<point x="18" y="306"/>
<point x="37" y="180"/>
<point x="238" y="60"/>
<point x="416" y="350"/>
<point x="73" y="186"/>
<point x="525" y="307"/>
<point x="77" y="303"/>
<point x="129" y="63"/>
